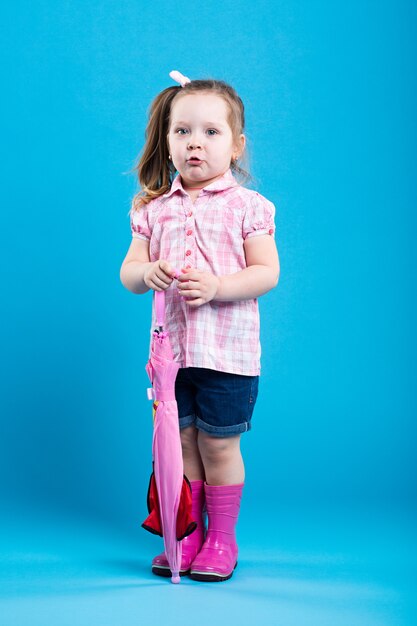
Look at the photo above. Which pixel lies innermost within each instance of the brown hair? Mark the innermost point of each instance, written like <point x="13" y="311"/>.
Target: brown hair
<point x="155" y="170"/>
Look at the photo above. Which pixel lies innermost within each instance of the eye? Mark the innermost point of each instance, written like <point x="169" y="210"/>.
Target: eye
<point x="212" y="132"/>
<point x="181" y="131"/>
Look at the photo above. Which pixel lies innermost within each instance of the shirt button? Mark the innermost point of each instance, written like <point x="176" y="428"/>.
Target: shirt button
<point x="188" y="267"/>
<point x="189" y="232"/>
<point x="189" y="214"/>
<point x="188" y="253"/>
<point x="271" y="231"/>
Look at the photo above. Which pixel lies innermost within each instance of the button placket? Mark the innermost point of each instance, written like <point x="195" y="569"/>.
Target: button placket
<point x="189" y="229"/>
<point x="189" y="262"/>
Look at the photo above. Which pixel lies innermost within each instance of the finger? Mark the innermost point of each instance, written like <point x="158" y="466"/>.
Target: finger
<point x="163" y="277"/>
<point x="160" y="282"/>
<point x="155" y="287"/>
<point x="166" y="268"/>
<point x="190" y="275"/>
<point x="191" y="295"/>
<point x="191" y="292"/>
<point x="190" y="284"/>
<point x="195" y="303"/>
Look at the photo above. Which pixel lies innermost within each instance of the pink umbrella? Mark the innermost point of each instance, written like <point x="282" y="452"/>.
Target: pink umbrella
<point x="169" y="493"/>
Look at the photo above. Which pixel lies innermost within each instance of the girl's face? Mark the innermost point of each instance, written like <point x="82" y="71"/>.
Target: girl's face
<point x="200" y="139"/>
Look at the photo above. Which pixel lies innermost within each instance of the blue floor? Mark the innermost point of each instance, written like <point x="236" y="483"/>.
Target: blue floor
<point x="315" y="568"/>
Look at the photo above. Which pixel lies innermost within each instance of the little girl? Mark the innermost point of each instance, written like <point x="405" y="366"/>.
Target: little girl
<point x="194" y="216"/>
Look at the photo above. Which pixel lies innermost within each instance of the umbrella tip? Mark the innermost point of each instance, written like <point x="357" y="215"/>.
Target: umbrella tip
<point x="175" y="579"/>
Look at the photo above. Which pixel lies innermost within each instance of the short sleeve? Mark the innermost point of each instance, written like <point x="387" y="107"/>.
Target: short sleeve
<point x="259" y="217"/>
<point x="139" y="221"/>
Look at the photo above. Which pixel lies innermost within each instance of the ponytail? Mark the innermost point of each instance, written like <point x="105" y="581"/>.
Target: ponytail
<point x="155" y="170"/>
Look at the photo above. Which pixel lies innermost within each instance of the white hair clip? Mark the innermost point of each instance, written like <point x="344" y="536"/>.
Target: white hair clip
<point x="179" y="78"/>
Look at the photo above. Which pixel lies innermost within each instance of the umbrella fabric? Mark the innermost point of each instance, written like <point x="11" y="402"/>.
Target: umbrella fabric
<point x="169" y="493"/>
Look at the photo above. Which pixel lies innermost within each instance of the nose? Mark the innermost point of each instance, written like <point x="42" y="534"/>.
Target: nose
<point x="194" y="142"/>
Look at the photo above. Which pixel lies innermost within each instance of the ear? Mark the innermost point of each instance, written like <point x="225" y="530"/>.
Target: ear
<point x="239" y="146"/>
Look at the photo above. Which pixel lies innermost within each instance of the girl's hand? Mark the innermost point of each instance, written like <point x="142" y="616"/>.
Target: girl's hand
<point x="197" y="287"/>
<point x="158" y="275"/>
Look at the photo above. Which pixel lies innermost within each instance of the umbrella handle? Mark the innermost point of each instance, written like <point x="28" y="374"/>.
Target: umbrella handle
<point x="160" y="308"/>
<point x="160" y="305"/>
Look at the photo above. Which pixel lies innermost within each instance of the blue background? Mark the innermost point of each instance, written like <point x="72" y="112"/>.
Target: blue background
<point x="329" y="89"/>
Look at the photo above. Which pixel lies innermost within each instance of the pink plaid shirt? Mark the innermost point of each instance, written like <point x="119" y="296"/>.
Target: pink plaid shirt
<point x="209" y="236"/>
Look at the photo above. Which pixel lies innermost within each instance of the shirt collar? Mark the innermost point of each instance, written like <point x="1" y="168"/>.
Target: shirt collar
<point x="225" y="182"/>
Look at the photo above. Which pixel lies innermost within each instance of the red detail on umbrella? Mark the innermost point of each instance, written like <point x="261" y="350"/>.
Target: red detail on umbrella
<point x="153" y="521"/>
<point x="185" y="523"/>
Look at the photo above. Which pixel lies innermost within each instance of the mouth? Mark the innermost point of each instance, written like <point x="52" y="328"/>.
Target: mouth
<point x="194" y="161"/>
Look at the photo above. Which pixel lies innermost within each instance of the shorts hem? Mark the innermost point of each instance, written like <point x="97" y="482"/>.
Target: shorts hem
<point x="187" y="420"/>
<point x="214" y="431"/>
<point x="222" y="431"/>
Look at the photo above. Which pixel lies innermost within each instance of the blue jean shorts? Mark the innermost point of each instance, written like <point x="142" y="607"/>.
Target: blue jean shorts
<point x="219" y="403"/>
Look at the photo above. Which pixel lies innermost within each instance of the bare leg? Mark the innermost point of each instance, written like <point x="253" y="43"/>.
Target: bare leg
<point x="193" y="466"/>
<point x="222" y="459"/>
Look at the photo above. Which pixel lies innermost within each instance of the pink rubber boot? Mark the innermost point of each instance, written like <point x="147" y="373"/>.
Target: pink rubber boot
<point x="191" y="544"/>
<point x="218" y="557"/>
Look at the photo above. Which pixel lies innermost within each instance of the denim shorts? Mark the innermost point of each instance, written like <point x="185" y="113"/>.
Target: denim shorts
<point x="219" y="403"/>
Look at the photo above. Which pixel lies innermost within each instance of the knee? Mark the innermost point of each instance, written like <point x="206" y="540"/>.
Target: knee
<point x="217" y="449"/>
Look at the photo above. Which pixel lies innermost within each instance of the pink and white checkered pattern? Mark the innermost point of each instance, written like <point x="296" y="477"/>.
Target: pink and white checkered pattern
<point x="209" y="236"/>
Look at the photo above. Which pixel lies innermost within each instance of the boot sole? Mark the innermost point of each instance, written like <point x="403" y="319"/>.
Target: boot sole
<point x="166" y="572"/>
<point x="211" y="578"/>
